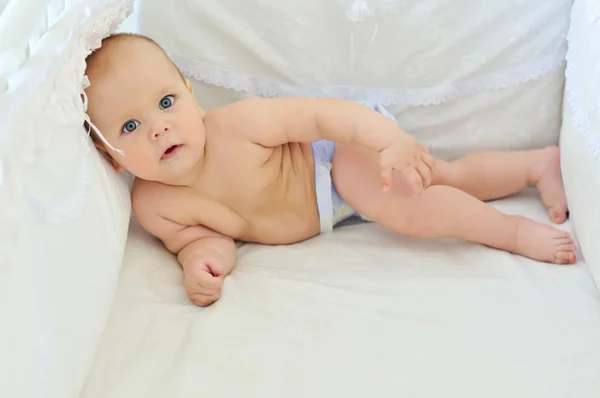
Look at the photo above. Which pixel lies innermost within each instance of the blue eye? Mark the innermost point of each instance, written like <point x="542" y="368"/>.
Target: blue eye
<point x="129" y="126"/>
<point x="167" y="102"/>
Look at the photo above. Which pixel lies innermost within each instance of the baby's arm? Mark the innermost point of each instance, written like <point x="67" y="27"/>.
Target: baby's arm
<point x="205" y="255"/>
<point x="311" y="119"/>
<point x="206" y="258"/>
<point x="308" y="120"/>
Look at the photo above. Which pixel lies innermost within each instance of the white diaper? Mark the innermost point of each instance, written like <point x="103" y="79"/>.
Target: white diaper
<point x="332" y="208"/>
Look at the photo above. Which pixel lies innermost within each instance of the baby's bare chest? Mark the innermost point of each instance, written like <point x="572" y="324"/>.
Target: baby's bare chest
<point x="267" y="195"/>
<point x="249" y="182"/>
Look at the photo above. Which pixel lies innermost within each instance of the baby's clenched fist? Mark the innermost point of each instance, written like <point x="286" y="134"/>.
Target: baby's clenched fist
<point x="203" y="280"/>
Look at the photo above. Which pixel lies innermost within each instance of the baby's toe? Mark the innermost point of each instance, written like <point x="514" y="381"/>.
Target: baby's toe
<point x="564" y="241"/>
<point x="553" y="215"/>
<point x="564" y="256"/>
<point x="562" y="236"/>
<point x="557" y="215"/>
<point x="569" y="248"/>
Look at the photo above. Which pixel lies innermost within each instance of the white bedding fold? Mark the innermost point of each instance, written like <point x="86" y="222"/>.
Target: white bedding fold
<point x="361" y="311"/>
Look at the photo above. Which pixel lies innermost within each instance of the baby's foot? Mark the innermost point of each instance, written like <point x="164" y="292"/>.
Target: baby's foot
<point x="550" y="185"/>
<point x="544" y="243"/>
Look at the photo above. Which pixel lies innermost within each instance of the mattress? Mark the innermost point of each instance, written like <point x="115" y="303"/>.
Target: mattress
<point x="360" y="312"/>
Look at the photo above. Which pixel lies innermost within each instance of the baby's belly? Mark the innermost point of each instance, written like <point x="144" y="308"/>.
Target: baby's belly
<point x="283" y="228"/>
<point x="288" y="212"/>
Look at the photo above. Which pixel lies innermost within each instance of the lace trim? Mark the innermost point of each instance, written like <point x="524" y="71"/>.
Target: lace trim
<point x="573" y="96"/>
<point x="70" y="207"/>
<point x="221" y="77"/>
<point x="85" y="35"/>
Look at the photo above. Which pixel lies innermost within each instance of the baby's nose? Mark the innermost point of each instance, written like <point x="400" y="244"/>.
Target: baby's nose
<point x="164" y="128"/>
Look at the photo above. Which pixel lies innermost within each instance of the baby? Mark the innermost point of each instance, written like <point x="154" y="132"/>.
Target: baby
<point x="280" y="171"/>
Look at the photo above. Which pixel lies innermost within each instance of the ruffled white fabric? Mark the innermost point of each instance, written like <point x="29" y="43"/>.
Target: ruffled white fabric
<point x="49" y="223"/>
<point x="18" y="130"/>
<point x="580" y="134"/>
<point x="583" y="62"/>
<point x="436" y="95"/>
<point x="460" y="76"/>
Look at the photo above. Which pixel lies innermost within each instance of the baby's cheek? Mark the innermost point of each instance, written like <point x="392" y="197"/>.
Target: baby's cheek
<point x="139" y="161"/>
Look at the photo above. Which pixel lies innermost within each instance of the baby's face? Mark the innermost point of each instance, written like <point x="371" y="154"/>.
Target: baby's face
<point x="142" y="106"/>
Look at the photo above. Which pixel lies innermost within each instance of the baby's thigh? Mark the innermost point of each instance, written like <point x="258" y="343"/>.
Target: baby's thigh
<point x="357" y="178"/>
<point x="353" y="169"/>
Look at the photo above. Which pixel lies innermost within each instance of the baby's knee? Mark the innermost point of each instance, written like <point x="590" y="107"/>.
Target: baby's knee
<point x="398" y="219"/>
<point x="442" y="172"/>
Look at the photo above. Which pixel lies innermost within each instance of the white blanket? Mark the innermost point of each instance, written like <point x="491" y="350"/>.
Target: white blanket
<point x="361" y="312"/>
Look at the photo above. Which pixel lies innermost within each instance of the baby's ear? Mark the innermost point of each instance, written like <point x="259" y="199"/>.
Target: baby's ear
<point x="116" y="166"/>
<point x="100" y="147"/>
<point x="189" y="86"/>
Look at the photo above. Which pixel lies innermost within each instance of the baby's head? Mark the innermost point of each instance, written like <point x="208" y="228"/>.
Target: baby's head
<point x="142" y="105"/>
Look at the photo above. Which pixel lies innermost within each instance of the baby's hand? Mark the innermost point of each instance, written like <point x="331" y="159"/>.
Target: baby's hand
<point x="407" y="154"/>
<point x="203" y="280"/>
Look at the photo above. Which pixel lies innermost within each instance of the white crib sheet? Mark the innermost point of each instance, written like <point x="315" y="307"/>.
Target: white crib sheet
<point x="358" y="313"/>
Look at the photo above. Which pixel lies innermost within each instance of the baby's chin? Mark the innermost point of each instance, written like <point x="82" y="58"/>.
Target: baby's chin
<point x="169" y="178"/>
<point x="173" y="175"/>
<point x="176" y="169"/>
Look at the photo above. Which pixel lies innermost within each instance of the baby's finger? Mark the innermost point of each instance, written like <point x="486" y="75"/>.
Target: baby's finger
<point x="214" y="266"/>
<point x="205" y="300"/>
<point x="424" y="148"/>
<point x="429" y="161"/>
<point x="425" y="173"/>
<point x="207" y="284"/>
<point x="386" y="178"/>
<point x="414" y="179"/>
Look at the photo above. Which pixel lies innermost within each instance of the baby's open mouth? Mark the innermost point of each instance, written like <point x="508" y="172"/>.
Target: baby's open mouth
<point x="171" y="151"/>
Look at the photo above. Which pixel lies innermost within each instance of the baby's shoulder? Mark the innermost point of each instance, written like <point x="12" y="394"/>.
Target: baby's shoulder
<point x="150" y="199"/>
<point x="236" y="126"/>
<point x="158" y="208"/>
<point x="248" y="113"/>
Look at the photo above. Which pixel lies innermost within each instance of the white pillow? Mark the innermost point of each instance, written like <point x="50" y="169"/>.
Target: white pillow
<point x="494" y="69"/>
<point x="64" y="212"/>
<point x="580" y="135"/>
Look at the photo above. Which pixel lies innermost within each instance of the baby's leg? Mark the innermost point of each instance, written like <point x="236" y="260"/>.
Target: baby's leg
<point x="442" y="212"/>
<point x="493" y="175"/>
